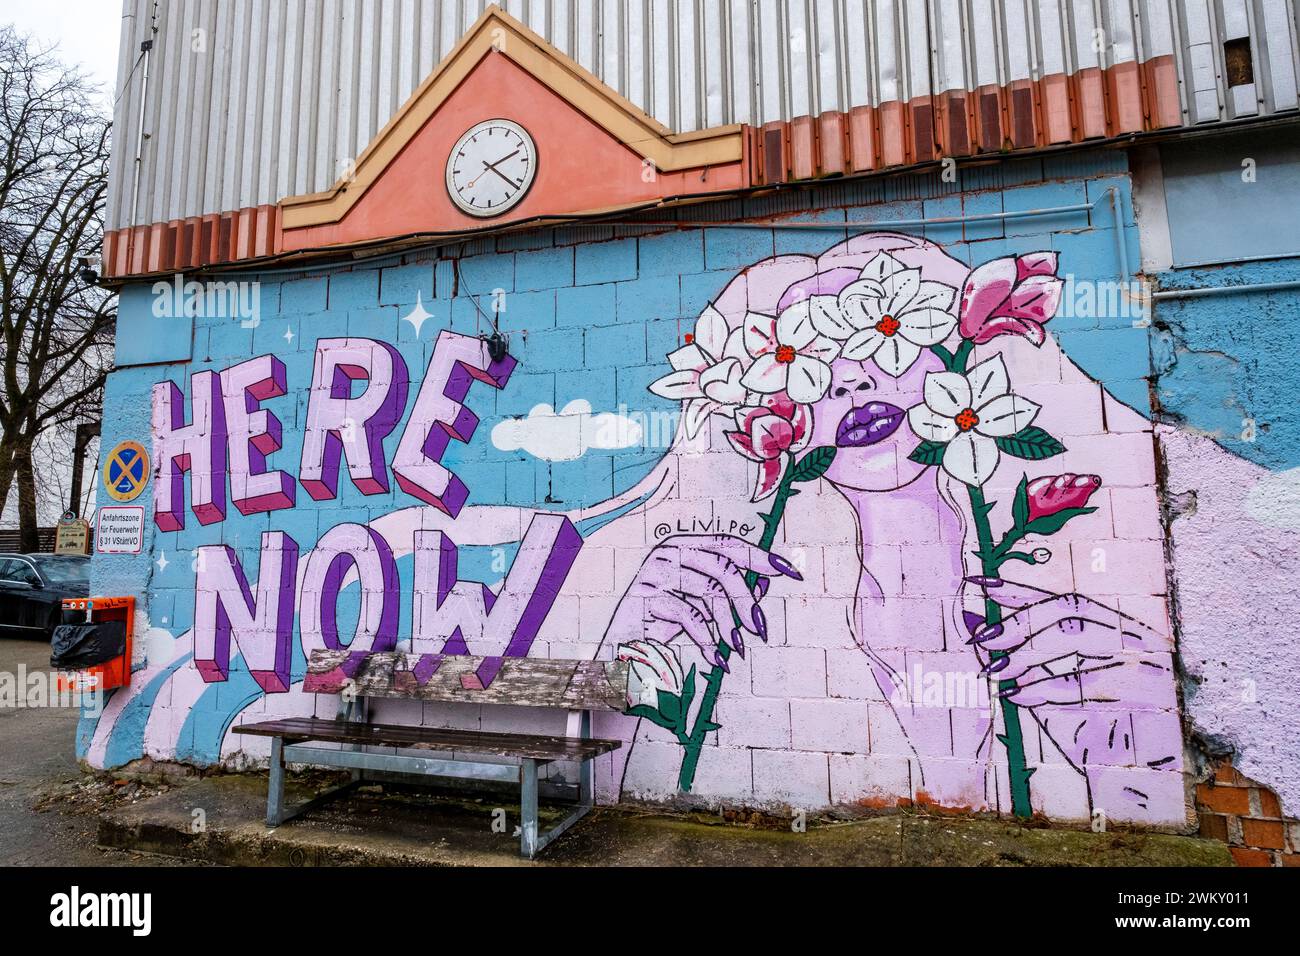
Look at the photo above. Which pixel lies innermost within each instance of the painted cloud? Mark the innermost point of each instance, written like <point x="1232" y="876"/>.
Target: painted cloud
<point x="566" y="434"/>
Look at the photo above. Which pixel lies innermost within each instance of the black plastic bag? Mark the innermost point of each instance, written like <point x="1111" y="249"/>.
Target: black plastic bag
<point x="81" y="645"/>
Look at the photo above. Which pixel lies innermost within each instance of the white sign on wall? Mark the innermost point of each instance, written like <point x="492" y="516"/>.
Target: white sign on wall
<point x="119" y="530"/>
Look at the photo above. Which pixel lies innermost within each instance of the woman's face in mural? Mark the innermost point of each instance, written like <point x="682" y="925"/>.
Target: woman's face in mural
<point x="864" y="417"/>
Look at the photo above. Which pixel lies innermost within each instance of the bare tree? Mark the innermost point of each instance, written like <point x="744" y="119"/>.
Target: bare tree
<point x="56" y="326"/>
<point x="55" y="460"/>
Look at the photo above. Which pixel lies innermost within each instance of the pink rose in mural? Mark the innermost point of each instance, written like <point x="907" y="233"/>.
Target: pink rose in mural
<point x="1010" y="296"/>
<point x="768" y="434"/>
<point x="1053" y="494"/>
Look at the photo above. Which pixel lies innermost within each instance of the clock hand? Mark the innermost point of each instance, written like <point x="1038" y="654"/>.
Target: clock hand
<point x="513" y="184"/>
<point x="492" y="166"/>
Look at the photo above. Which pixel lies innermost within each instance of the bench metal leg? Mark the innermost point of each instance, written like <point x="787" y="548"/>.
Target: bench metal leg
<point x="276" y="813"/>
<point x="275" y="786"/>
<point x="531" y="840"/>
<point x="528" y="808"/>
<point x="586" y="768"/>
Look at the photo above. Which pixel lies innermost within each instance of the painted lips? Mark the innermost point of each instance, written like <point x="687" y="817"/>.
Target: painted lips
<point x="872" y="423"/>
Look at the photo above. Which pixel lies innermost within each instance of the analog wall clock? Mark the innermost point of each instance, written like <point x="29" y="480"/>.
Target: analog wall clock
<point x="491" y="168"/>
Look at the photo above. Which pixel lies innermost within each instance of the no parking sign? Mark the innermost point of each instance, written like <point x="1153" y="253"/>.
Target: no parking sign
<point x="126" y="471"/>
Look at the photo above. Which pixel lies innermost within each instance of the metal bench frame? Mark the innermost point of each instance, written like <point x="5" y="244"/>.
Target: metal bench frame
<point x="532" y="840"/>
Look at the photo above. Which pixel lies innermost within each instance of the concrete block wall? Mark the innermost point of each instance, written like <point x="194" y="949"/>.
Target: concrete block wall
<point x="853" y="688"/>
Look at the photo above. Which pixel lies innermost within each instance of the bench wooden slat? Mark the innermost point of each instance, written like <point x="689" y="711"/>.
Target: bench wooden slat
<point x="468" y="679"/>
<point x="531" y="746"/>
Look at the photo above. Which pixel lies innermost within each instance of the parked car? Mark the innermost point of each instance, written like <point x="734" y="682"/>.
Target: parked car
<point x="32" y="589"/>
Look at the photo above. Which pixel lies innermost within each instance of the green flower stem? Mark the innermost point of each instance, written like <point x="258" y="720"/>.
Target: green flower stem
<point x="961" y="356"/>
<point x="1018" y="556"/>
<point x="991" y="561"/>
<point x="673" y="727"/>
<point x="694" y="742"/>
<point x="1013" y="738"/>
<point x="1008" y="541"/>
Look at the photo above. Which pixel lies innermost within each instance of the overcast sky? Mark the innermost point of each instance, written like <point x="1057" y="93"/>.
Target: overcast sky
<point x="87" y="31"/>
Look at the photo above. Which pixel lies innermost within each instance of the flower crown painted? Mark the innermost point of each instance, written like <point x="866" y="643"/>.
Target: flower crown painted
<point x="767" y="372"/>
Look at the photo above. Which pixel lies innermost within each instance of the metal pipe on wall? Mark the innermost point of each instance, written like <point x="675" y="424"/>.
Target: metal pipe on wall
<point x="1225" y="290"/>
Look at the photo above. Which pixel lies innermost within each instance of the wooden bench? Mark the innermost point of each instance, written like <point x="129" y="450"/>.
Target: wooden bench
<point x="579" y="687"/>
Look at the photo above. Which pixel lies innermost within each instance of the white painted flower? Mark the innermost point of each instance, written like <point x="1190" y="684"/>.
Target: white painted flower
<point x="706" y="373"/>
<point x="828" y="318"/>
<point x="789" y="354"/>
<point x="895" y="314"/>
<point x="652" y="667"/>
<point x="968" y="412"/>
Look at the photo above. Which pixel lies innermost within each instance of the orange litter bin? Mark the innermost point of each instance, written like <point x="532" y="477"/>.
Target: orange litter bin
<point x="112" y="673"/>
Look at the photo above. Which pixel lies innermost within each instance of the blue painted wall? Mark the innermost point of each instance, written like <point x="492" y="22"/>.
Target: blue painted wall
<point x="1224" y="363"/>
<point x="588" y="318"/>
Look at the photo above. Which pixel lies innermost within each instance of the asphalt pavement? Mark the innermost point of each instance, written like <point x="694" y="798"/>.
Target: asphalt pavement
<point x="38" y="758"/>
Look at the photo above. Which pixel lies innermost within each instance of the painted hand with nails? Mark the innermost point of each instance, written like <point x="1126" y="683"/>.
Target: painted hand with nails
<point x="695" y="585"/>
<point x="1098" y="683"/>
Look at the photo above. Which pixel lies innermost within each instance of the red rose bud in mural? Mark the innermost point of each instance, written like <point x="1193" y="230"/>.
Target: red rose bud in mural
<point x="768" y="433"/>
<point x="1055" y="493"/>
<point x="1010" y="296"/>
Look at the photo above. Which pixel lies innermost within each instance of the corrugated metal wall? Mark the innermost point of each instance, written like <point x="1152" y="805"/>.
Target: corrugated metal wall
<point x="1217" y="82"/>
<point x="253" y="100"/>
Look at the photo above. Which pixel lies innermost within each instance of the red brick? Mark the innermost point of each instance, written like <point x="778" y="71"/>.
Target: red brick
<point x="1214" y="826"/>
<point x="1290" y="859"/>
<point x="1269" y="804"/>
<point x="1265" y="833"/>
<point x="1223" y="799"/>
<point x="1226" y="775"/>
<point x="1247" y="857"/>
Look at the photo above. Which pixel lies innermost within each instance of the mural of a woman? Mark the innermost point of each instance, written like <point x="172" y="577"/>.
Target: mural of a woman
<point x="843" y="352"/>
<point x="835" y="585"/>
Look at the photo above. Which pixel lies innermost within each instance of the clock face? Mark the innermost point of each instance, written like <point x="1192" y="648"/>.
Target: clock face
<point x="491" y="167"/>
